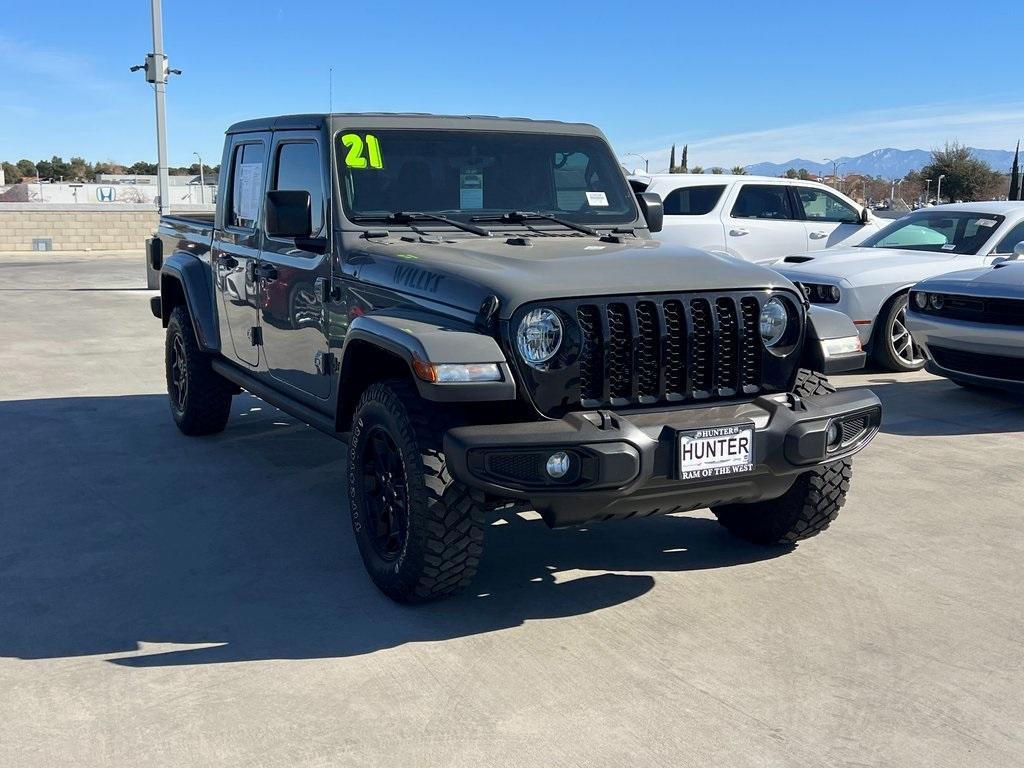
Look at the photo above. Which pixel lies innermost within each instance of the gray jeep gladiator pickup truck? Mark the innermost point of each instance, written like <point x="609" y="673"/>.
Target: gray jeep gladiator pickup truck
<point x="477" y="306"/>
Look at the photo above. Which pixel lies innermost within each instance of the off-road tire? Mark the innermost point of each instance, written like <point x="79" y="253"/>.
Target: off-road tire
<point x="206" y="405"/>
<point x="807" y="508"/>
<point x="882" y="345"/>
<point x="444" y="532"/>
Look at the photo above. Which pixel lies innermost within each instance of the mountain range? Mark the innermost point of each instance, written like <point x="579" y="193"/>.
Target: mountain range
<point x="888" y="163"/>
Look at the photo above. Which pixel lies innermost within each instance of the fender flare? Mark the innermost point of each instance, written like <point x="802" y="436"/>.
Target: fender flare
<point x="419" y="336"/>
<point x="823" y="325"/>
<point x="193" y="277"/>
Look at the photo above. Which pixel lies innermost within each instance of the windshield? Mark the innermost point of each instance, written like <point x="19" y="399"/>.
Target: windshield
<point x="472" y="174"/>
<point x="941" y="232"/>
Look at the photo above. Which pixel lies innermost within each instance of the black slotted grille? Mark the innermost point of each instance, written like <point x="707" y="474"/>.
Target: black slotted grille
<point x="669" y="349"/>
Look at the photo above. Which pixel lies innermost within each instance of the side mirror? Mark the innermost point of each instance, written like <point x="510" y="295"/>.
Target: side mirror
<point x="865" y="215"/>
<point x="289" y="213"/>
<point x="652" y="209"/>
<point x="1018" y="251"/>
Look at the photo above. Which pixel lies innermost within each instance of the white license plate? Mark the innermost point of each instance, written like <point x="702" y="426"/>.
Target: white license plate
<point x="715" y="451"/>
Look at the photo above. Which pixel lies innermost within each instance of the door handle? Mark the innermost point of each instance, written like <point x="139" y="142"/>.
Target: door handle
<point x="226" y="261"/>
<point x="266" y="271"/>
<point x="739" y="232"/>
<point x="818" y="235"/>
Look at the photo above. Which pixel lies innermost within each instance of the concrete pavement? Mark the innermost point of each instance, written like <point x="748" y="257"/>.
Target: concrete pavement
<point x="167" y="601"/>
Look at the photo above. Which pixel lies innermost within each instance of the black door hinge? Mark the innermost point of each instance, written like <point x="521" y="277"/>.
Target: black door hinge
<point x="324" y="362"/>
<point x="256" y="336"/>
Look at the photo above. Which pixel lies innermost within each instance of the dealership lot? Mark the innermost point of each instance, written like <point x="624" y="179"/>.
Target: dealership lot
<point x="167" y="601"/>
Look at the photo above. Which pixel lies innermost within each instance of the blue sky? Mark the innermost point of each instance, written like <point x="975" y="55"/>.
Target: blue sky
<point x="739" y="81"/>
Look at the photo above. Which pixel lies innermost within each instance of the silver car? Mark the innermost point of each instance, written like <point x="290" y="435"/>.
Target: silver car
<point x="971" y="324"/>
<point x="870" y="282"/>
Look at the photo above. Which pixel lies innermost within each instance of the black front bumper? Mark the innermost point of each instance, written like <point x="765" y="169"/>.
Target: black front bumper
<point x="626" y="466"/>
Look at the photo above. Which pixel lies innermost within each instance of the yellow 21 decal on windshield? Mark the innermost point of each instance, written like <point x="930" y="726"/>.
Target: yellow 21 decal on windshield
<point x="362" y="152"/>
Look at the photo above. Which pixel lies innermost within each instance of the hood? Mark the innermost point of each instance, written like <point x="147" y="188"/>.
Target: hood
<point x="864" y="264"/>
<point x="463" y="272"/>
<point x="1005" y="281"/>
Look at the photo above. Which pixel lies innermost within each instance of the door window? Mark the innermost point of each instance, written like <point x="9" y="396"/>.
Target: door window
<point x="299" y="169"/>
<point x="1008" y="243"/>
<point x="693" y="201"/>
<point x="246" y="185"/>
<point x="819" y="205"/>
<point x="763" y="201"/>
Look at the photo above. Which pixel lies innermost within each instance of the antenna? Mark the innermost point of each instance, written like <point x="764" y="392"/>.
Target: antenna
<point x="330" y="90"/>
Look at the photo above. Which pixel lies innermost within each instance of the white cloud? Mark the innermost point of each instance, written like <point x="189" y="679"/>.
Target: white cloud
<point x="62" y="68"/>
<point x="988" y="126"/>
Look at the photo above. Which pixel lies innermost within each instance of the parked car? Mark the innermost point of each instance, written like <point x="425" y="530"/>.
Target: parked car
<point x="871" y="282"/>
<point x="490" y="324"/>
<point x="970" y="324"/>
<point x="756" y="218"/>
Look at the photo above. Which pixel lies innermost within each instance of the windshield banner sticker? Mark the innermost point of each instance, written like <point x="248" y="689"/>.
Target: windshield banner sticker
<point x="597" y="199"/>
<point x="362" y="154"/>
<point x="471" y="188"/>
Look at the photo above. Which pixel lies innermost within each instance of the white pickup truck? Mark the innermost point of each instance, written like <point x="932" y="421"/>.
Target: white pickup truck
<point x="757" y="218"/>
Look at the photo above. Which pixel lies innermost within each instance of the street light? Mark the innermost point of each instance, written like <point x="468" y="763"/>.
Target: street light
<point x="39" y="181"/>
<point x="835" y="172"/>
<point x="938" y="189"/>
<point x="202" y="182"/>
<point x="927" y="191"/>
<point x="647" y="164"/>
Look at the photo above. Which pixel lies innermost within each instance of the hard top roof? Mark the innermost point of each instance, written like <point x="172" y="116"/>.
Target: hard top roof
<point x="410" y="120"/>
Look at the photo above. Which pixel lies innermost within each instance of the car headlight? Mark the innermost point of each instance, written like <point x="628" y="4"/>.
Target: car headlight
<point x="821" y="293"/>
<point x="774" y="319"/>
<point x="921" y="299"/>
<point x="539" y="336"/>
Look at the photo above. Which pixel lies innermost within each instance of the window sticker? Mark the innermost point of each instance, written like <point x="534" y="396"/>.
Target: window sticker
<point x="250" y="184"/>
<point x="597" y="199"/>
<point x="471" y="188"/>
<point x="987" y="222"/>
<point x="362" y="153"/>
<point x="949" y="246"/>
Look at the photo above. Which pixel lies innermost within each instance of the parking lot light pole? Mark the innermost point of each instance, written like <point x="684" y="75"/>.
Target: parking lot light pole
<point x="202" y="182"/>
<point x="938" y="189"/>
<point x="927" y="191"/>
<point x="647" y="163"/>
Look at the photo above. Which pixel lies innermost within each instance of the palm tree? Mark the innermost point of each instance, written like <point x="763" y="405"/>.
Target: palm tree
<point x="739" y="170"/>
<point x="697" y="169"/>
<point x="718" y="170"/>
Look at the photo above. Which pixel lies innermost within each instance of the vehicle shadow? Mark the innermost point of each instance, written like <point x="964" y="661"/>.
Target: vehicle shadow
<point x="117" y="531"/>
<point x="936" y="406"/>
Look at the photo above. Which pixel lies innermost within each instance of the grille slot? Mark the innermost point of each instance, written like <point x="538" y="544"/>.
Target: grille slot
<point x="853" y="429"/>
<point x="668" y="349"/>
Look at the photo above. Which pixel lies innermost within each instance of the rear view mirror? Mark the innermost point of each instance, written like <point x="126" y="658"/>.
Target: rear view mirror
<point x="289" y="213"/>
<point x="652" y="209"/>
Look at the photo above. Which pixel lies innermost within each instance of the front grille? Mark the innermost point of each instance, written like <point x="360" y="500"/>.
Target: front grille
<point x="975" y="309"/>
<point x="645" y="351"/>
<point x="990" y="366"/>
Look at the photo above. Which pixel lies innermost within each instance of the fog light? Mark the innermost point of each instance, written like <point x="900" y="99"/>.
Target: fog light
<point x="558" y="465"/>
<point x="833" y="436"/>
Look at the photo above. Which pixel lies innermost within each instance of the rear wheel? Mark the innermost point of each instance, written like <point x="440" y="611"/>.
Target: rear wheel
<point x="894" y="347"/>
<point x="200" y="398"/>
<point x="419" y="532"/>
<point x="807" y="508"/>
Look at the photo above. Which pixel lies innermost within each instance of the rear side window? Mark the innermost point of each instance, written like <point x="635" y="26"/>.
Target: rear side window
<point x="693" y="201"/>
<point x="298" y="169"/>
<point x="763" y="201"/>
<point x="246" y="185"/>
<point x="819" y="205"/>
<point x="1008" y="243"/>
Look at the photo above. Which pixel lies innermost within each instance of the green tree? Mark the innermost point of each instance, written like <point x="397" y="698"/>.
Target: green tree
<point x="27" y="168"/>
<point x="967" y="177"/>
<point x="1014" y="193"/>
<point x="804" y="174"/>
<point x="672" y="160"/>
<point x="791" y="173"/>
<point x="142" y="168"/>
<point x="718" y="170"/>
<point x="684" y="161"/>
<point x="738" y="170"/>
<point x="697" y="169"/>
<point x="12" y="174"/>
<point x="79" y="169"/>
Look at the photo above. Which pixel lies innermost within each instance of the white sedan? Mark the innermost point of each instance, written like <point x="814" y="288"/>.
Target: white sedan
<point x="756" y="218"/>
<point x="870" y="282"/>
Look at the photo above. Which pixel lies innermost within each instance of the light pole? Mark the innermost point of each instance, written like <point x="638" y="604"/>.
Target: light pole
<point x="938" y="189"/>
<point x="835" y="172"/>
<point x="39" y="181"/>
<point x="647" y="164"/>
<point x="202" y="182"/>
<point x="157" y="72"/>
<point x="927" y="191"/>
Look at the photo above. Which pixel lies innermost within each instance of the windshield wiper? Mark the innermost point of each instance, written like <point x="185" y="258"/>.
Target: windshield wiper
<point x="404" y="217"/>
<point x="518" y="217"/>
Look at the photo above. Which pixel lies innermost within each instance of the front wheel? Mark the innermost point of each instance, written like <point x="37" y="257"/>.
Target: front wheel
<point x="894" y="347"/>
<point x="419" y="532"/>
<point x="808" y="507"/>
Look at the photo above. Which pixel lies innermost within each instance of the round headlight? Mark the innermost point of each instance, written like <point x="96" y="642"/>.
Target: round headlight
<point x="539" y="336"/>
<point x="833" y="293"/>
<point x="774" y="319"/>
<point x="937" y="301"/>
<point x="921" y="299"/>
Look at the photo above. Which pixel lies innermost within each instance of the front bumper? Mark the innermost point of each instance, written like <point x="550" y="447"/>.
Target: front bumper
<point x="626" y="466"/>
<point x="984" y="354"/>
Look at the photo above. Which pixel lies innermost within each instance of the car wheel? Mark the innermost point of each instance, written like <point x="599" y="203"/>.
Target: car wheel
<point x="200" y="398"/>
<point x="894" y="347"/>
<point x="419" y="531"/>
